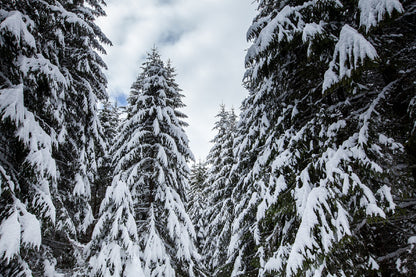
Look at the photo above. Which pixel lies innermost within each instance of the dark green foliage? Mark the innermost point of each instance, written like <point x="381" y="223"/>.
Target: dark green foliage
<point x="319" y="160"/>
<point x="50" y="80"/>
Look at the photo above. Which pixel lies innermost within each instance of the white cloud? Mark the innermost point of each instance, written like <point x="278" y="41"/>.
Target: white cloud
<point x="205" y="40"/>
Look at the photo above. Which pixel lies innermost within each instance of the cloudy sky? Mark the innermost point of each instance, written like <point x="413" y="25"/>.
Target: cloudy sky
<point x="206" y="41"/>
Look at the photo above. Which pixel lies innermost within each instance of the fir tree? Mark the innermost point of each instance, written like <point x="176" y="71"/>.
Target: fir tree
<point x="217" y="189"/>
<point x="197" y="201"/>
<point x="151" y="156"/>
<point x="167" y="233"/>
<point x="315" y="133"/>
<point x="109" y="120"/>
<point x="51" y="77"/>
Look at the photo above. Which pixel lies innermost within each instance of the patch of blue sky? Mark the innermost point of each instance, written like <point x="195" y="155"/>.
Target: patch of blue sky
<point x="170" y="37"/>
<point x="165" y="2"/>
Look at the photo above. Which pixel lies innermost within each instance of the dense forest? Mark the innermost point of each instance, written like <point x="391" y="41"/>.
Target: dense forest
<point x="314" y="176"/>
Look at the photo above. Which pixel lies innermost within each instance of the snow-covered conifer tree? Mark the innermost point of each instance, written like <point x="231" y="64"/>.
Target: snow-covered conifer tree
<point x="109" y="120"/>
<point x="320" y="149"/>
<point x="166" y="232"/>
<point x="51" y="77"/>
<point x="151" y="155"/>
<point x="197" y="201"/>
<point x="114" y="249"/>
<point x="217" y="190"/>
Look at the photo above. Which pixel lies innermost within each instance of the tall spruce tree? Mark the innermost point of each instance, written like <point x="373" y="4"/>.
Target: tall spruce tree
<point x="109" y="120"/>
<point x="324" y="141"/>
<point x="217" y="190"/>
<point x="51" y="77"/>
<point x="167" y="233"/>
<point x="151" y="157"/>
<point x="113" y="249"/>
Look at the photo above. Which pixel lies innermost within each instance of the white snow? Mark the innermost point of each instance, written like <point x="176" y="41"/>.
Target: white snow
<point x="133" y="268"/>
<point x="373" y="264"/>
<point x="10" y="237"/>
<point x="39" y="64"/>
<point x="391" y="143"/>
<point x="49" y="269"/>
<point x="15" y="25"/>
<point x="385" y="194"/>
<point x="31" y="232"/>
<point x="350" y="52"/>
<point x="29" y="130"/>
<point x="79" y="188"/>
<point x="412" y="240"/>
<point x="311" y="30"/>
<point x="155" y="253"/>
<point x="280" y="27"/>
<point x="304" y="239"/>
<point x="276" y="262"/>
<point x="374" y="11"/>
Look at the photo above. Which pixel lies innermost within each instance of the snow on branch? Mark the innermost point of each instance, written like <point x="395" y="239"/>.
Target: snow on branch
<point x="351" y="50"/>
<point x="15" y="25"/>
<point x="281" y="27"/>
<point x="28" y="130"/>
<point x="19" y="228"/>
<point x="71" y="18"/>
<point x="373" y="11"/>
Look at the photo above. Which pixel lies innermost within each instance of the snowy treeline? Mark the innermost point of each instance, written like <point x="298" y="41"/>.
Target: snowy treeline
<point x="316" y="177"/>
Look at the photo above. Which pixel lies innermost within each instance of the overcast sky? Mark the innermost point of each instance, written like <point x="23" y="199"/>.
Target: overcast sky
<point x="206" y="41"/>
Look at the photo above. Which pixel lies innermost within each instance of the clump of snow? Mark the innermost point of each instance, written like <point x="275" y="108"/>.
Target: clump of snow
<point x="391" y="143"/>
<point x="275" y="263"/>
<point x="412" y="240"/>
<point x="281" y="27"/>
<point x="311" y="30"/>
<point x="374" y="11"/>
<point x="350" y="52"/>
<point x="31" y="232"/>
<point x="373" y="264"/>
<point x="133" y="268"/>
<point x="10" y="237"/>
<point x="49" y="269"/>
<point x="237" y="270"/>
<point x="315" y="202"/>
<point x="385" y="194"/>
<point x="16" y="24"/>
<point x="19" y="228"/>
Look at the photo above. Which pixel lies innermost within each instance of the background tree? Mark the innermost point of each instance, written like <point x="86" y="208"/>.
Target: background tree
<point x="217" y="191"/>
<point x="109" y="120"/>
<point x="197" y="201"/>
